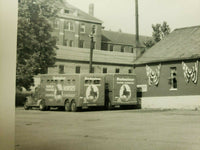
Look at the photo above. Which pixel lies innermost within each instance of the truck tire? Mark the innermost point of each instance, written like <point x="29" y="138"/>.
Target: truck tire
<point x="42" y="106"/>
<point x="67" y="106"/>
<point x="109" y="106"/>
<point x="26" y="107"/>
<point x="73" y="106"/>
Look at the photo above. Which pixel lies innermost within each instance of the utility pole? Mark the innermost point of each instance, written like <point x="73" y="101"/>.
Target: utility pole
<point x="137" y="24"/>
<point x="91" y="47"/>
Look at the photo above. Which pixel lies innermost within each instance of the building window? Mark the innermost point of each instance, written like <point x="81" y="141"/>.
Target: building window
<point x="111" y="47"/>
<point x="56" y="24"/>
<point x="82" y="28"/>
<point x="65" y="42"/>
<point x="94" y="45"/>
<point x="92" y="70"/>
<point x="129" y="70"/>
<point x="81" y="43"/>
<point x="61" y="69"/>
<point x="94" y="29"/>
<point x="69" y="26"/>
<point x="132" y="50"/>
<point x="122" y="48"/>
<point x="173" y="78"/>
<point x="66" y="11"/>
<point x="104" y="70"/>
<point x="117" y="70"/>
<point x="78" y="69"/>
<point x="71" y="43"/>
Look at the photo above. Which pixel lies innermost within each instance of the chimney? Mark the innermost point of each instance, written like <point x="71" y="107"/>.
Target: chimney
<point x="91" y="9"/>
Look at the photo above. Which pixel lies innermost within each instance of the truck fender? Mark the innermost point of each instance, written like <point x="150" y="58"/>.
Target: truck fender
<point x="38" y="102"/>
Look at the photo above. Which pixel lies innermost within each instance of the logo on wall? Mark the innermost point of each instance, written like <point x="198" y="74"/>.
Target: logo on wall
<point x="190" y="73"/>
<point x="125" y="92"/>
<point x="153" y="76"/>
<point x="58" y="92"/>
<point x="92" y="93"/>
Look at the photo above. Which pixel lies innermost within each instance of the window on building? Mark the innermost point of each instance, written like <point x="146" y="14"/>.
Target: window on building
<point x="82" y="28"/>
<point x="78" y="69"/>
<point x="104" y="70"/>
<point x="92" y="71"/>
<point x="111" y="47"/>
<point x="66" y="11"/>
<point x="71" y="43"/>
<point x="56" y="24"/>
<point x="130" y="71"/>
<point x="122" y="48"/>
<point x="61" y="69"/>
<point x="94" y="29"/>
<point x="132" y="50"/>
<point x="117" y="70"/>
<point x="94" y="45"/>
<point x="65" y="42"/>
<point x="173" y="78"/>
<point x="81" y="43"/>
<point x="68" y="25"/>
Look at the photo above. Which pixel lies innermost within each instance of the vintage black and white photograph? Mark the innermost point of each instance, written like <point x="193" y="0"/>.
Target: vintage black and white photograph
<point x="107" y="75"/>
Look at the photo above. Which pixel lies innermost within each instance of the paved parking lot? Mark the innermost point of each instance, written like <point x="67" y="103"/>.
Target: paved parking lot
<point x="107" y="130"/>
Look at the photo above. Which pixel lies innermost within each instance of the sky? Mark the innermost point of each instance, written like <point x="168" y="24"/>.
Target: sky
<point x="120" y="14"/>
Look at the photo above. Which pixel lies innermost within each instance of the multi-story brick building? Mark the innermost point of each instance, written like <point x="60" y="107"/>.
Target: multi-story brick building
<point x="113" y="51"/>
<point x="72" y="27"/>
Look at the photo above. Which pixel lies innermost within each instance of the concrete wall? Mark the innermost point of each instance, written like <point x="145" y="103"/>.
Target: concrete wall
<point x="172" y="102"/>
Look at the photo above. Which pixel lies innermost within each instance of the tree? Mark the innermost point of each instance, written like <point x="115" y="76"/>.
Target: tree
<point x="35" y="45"/>
<point x="159" y="32"/>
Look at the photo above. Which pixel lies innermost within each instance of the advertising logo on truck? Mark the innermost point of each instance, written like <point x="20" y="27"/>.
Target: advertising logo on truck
<point x="92" y="93"/>
<point x="125" y="92"/>
<point x="58" y="92"/>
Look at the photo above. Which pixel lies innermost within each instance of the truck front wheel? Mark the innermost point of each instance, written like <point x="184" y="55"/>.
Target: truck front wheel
<point x="42" y="106"/>
<point x="26" y="107"/>
<point x="73" y="106"/>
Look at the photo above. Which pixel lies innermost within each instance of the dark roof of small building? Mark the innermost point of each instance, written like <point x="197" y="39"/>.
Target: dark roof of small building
<point x="81" y="15"/>
<point x="182" y="43"/>
<point x="121" y="38"/>
<point x="74" y="54"/>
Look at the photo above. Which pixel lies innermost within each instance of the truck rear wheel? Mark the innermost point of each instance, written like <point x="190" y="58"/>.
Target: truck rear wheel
<point x="73" y="106"/>
<point x="42" y="106"/>
<point x="109" y="105"/>
<point x="67" y="106"/>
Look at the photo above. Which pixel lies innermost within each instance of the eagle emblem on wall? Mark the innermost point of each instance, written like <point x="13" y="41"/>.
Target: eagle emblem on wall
<point x="190" y="73"/>
<point x="153" y="75"/>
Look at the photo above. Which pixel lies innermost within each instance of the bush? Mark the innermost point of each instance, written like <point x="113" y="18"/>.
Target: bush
<point x="20" y="98"/>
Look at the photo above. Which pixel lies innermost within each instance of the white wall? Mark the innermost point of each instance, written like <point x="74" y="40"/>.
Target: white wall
<point x="172" y="102"/>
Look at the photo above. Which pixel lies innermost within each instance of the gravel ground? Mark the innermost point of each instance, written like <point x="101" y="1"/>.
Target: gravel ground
<point x="107" y="130"/>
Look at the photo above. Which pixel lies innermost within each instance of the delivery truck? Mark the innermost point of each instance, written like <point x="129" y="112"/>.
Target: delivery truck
<point x="73" y="92"/>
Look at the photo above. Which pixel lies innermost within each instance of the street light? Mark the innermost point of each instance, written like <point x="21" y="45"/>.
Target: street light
<point x="91" y="47"/>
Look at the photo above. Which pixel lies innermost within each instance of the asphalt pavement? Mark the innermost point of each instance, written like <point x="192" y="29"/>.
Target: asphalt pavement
<point x="107" y="130"/>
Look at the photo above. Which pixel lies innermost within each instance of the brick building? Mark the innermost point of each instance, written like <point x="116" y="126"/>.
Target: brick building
<point x="169" y="72"/>
<point x="72" y="28"/>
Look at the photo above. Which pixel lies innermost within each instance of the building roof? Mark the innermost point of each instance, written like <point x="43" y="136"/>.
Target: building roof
<point x="77" y="13"/>
<point x="182" y="43"/>
<point x="74" y="54"/>
<point x="121" y="38"/>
